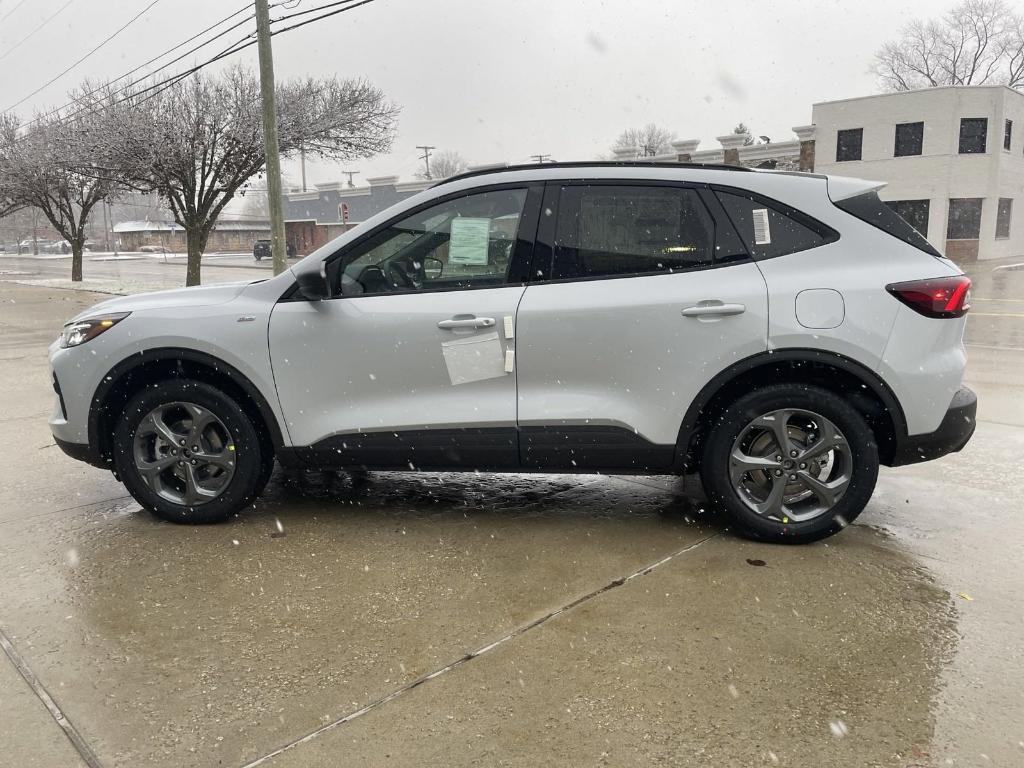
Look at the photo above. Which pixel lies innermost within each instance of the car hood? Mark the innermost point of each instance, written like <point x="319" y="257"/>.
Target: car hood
<point x="197" y="296"/>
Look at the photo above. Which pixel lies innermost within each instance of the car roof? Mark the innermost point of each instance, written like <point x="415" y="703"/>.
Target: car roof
<point x="763" y="180"/>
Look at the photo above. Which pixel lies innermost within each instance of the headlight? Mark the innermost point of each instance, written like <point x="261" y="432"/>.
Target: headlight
<point x="82" y="331"/>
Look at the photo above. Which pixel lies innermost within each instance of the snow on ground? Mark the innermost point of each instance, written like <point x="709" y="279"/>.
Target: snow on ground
<point x="97" y="285"/>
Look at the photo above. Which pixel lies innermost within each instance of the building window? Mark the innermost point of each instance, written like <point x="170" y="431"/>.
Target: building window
<point x="1007" y="134"/>
<point x="1003" y="218"/>
<point x="972" y="135"/>
<point x="848" y="143"/>
<point x="909" y="139"/>
<point x="914" y="212"/>
<point x="964" y="218"/>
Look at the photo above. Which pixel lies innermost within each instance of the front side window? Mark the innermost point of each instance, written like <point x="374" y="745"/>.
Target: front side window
<point x="1003" y="217"/>
<point x="467" y="242"/>
<point x="848" y="144"/>
<point x="613" y="230"/>
<point x="972" y="135"/>
<point x="914" y="212"/>
<point x="767" y="231"/>
<point x="909" y="139"/>
<point x="964" y="218"/>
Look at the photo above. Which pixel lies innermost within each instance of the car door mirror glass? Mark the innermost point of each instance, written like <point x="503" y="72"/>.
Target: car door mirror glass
<point x="433" y="268"/>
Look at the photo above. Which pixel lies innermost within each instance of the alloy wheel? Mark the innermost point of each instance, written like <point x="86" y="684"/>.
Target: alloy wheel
<point x="184" y="453"/>
<point x="790" y="465"/>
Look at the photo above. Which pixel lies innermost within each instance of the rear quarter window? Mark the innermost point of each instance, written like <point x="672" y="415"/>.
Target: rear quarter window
<point x="870" y="209"/>
<point x="770" y="229"/>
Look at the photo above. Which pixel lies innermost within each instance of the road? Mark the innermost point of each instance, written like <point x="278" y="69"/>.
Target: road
<point x="440" y="619"/>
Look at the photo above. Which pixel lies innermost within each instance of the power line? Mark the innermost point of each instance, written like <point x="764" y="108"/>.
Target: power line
<point x="50" y="82"/>
<point x="131" y="72"/>
<point x="27" y="37"/>
<point x="239" y="45"/>
<point x="319" y="18"/>
<point x="16" y="7"/>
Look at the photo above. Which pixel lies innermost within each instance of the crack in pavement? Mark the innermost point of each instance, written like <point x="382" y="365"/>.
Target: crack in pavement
<point x="377" y="703"/>
<point x="44" y="696"/>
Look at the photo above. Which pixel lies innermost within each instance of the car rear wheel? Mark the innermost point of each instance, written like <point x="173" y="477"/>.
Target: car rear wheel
<point x="790" y="463"/>
<point x="188" y="452"/>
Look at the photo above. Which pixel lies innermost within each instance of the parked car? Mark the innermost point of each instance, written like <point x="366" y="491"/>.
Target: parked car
<point x="58" y="246"/>
<point x="263" y="249"/>
<point x="780" y="334"/>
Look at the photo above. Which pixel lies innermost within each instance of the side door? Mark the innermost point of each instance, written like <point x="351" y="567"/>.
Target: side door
<point x="405" y="366"/>
<point x="644" y="294"/>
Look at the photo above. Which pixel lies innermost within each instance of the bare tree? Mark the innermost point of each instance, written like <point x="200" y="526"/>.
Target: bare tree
<point x="975" y="42"/>
<point x="199" y="141"/>
<point x="742" y="130"/>
<point x="444" y="164"/>
<point x="652" y="140"/>
<point x="52" y="166"/>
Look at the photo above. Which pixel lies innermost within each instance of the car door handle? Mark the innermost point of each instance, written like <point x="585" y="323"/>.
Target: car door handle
<point x="714" y="308"/>
<point x="467" y="322"/>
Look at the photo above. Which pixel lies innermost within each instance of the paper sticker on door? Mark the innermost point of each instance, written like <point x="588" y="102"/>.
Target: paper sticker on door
<point x="474" y="359"/>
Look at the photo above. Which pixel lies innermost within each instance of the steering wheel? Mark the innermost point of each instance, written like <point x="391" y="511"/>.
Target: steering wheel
<point x="399" y="275"/>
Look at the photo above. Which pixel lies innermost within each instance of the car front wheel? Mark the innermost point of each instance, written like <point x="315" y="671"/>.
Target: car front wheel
<point x="188" y="452"/>
<point x="790" y="463"/>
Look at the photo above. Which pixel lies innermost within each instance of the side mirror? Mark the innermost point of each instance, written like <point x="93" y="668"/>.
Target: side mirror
<point x="313" y="282"/>
<point x="432" y="268"/>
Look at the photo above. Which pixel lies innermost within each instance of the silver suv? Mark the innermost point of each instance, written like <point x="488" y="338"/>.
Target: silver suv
<point x="781" y="334"/>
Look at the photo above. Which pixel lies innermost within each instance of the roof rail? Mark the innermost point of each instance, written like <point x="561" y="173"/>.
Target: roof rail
<point x="593" y="164"/>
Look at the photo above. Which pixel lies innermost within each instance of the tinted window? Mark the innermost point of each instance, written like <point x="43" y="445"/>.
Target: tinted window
<point x="909" y="139"/>
<point x="607" y="230"/>
<point x="972" y="135"/>
<point x="848" y="144"/>
<point x="869" y="208"/>
<point x="914" y="212"/>
<point x="1003" y="217"/>
<point x="964" y="218"/>
<point x="766" y="230"/>
<point x="462" y="243"/>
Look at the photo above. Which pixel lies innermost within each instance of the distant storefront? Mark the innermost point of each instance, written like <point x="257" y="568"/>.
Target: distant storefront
<point x="316" y="217"/>
<point x="227" y="235"/>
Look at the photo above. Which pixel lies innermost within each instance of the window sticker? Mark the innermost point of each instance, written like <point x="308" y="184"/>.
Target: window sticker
<point x="762" y="234"/>
<point x="469" y="239"/>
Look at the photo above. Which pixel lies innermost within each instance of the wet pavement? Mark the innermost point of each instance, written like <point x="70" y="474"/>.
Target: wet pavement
<point x="441" y="619"/>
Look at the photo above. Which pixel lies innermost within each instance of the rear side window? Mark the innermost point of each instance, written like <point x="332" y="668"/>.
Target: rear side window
<point x="767" y="230"/>
<point x="618" y="230"/>
<point x="867" y="207"/>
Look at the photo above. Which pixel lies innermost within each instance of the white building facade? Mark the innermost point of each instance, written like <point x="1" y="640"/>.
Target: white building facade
<point x="952" y="158"/>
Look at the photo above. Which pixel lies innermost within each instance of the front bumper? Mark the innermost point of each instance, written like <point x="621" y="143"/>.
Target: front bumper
<point x="953" y="433"/>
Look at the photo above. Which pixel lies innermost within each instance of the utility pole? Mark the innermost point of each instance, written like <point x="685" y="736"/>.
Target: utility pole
<point x="277" y="244"/>
<point x="425" y="157"/>
<point x="541" y="159"/>
<point x="350" y="174"/>
<point x="302" y="159"/>
<point x="106" y="228"/>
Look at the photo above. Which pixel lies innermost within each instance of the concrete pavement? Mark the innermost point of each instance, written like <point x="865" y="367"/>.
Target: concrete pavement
<point x="485" y="620"/>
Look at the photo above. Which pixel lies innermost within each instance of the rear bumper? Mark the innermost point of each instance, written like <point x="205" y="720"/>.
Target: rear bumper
<point x="81" y="452"/>
<point x="953" y="433"/>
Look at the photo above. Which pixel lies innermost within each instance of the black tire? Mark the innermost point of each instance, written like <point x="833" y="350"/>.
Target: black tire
<point x="721" y="491"/>
<point x="251" y="467"/>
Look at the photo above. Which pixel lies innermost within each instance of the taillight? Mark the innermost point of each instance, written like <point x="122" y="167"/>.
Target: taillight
<point x="935" y="297"/>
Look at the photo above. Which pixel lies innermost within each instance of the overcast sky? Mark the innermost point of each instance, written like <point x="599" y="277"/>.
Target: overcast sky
<point x="499" y="81"/>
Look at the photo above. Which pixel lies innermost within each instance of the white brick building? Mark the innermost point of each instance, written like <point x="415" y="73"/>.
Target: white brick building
<point x="953" y="158"/>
